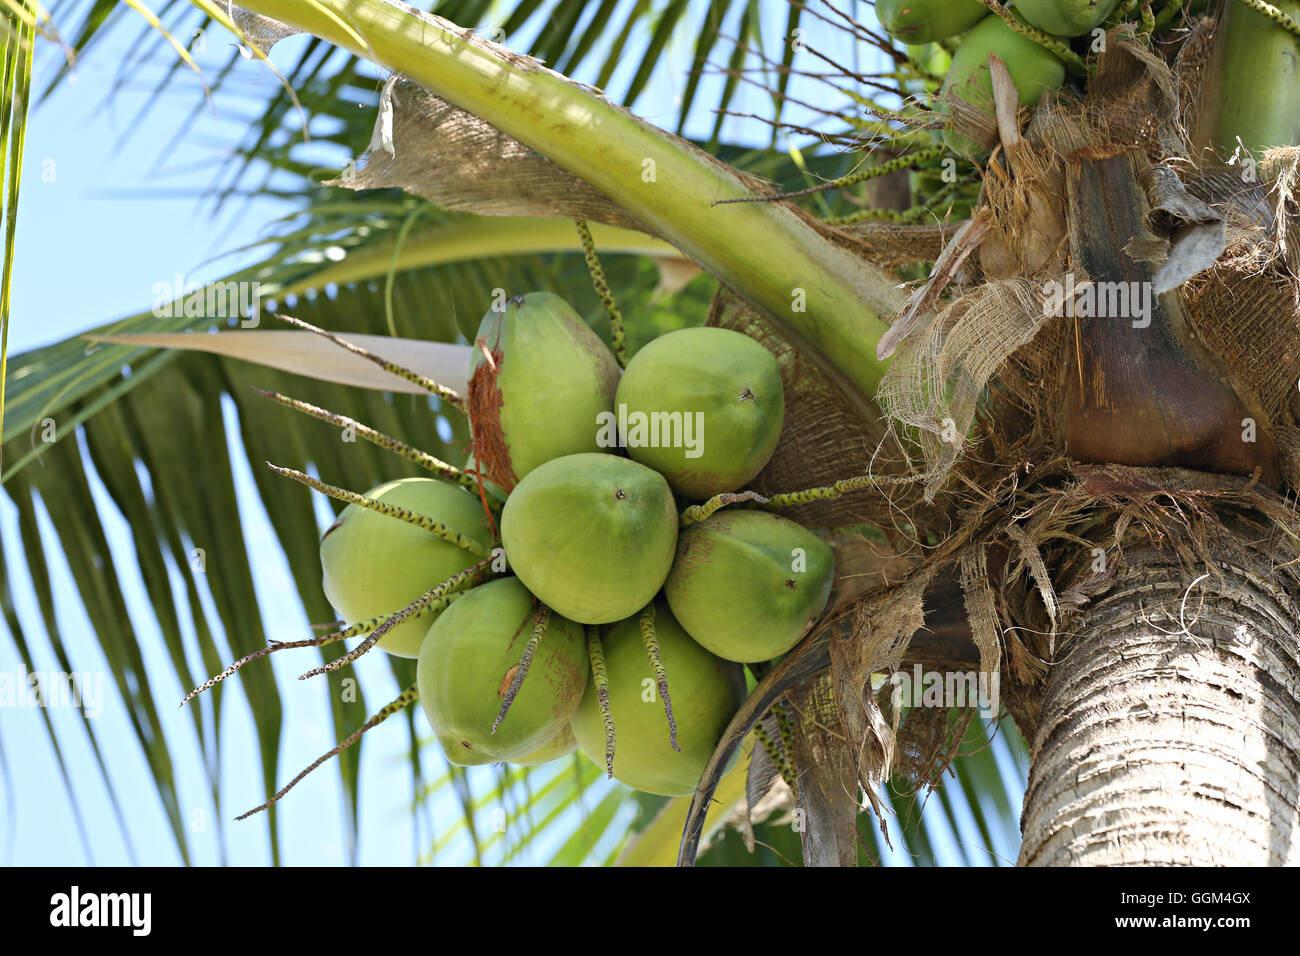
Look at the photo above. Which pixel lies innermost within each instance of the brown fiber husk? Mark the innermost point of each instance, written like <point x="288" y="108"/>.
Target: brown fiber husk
<point x="988" y="366"/>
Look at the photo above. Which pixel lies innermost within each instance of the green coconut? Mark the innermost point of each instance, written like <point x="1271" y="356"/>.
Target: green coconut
<point x="539" y="395"/>
<point x="704" y="407"/>
<point x="591" y="535"/>
<point x="706" y="691"/>
<point x="469" y="659"/>
<point x="1065" y="18"/>
<point x="925" y="21"/>
<point x="1034" y="70"/>
<point x="373" y="564"/>
<point x="748" y="585"/>
<point x="561" y="745"/>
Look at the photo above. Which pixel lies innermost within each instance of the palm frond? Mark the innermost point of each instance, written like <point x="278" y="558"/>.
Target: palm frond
<point x="15" y="91"/>
<point x="587" y="39"/>
<point x="332" y="250"/>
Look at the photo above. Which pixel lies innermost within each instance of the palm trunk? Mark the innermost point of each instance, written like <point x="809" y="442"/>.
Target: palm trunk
<point x="1170" y="727"/>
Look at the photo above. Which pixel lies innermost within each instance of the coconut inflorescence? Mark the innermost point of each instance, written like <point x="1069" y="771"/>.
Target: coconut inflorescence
<point x="590" y="510"/>
<point x="548" y="589"/>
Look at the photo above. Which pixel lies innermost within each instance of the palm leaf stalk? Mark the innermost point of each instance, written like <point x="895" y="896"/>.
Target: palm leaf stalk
<point x="822" y="297"/>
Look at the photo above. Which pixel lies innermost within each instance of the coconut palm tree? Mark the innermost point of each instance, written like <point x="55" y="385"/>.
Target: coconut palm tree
<point x="1083" y="504"/>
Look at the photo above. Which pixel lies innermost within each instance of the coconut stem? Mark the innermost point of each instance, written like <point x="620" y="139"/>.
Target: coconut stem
<point x="1170" y="10"/>
<point x="490" y="508"/>
<point x="617" y="334"/>
<point x="596" y="653"/>
<point x="521" y="669"/>
<point x="412" y="610"/>
<point x="699" y="512"/>
<point x="353" y="630"/>
<point x="1122" y="12"/>
<point x="893" y="215"/>
<point x="387" y="442"/>
<point x="404" y="700"/>
<point x="392" y="511"/>
<point x="928" y="208"/>
<point x="450" y="396"/>
<point x="1148" y="19"/>
<point x="852" y="179"/>
<point x="841" y="487"/>
<point x="651" y="641"/>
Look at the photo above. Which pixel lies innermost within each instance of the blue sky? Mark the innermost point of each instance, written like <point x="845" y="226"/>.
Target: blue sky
<point x="103" y="217"/>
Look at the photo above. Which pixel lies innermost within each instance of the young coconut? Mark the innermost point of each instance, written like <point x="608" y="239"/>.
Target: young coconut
<point x="1034" y="70"/>
<point x="373" y="564"/>
<point x="706" y="692"/>
<point x="924" y="21"/>
<point x="748" y="585"/>
<point x="539" y="379"/>
<point x="704" y="407"/>
<point x="591" y="535"/>
<point x="1065" y="18"/>
<point x="470" y="663"/>
<point x="561" y="745"/>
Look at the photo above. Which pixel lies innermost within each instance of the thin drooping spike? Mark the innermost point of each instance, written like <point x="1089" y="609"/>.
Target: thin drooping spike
<point x="338" y="634"/>
<point x="263" y="652"/>
<point x="927" y="210"/>
<point x="374" y="504"/>
<point x="778" y="758"/>
<point x="417" y="607"/>
<point x="697" y="513"/>
<point x="651" y="642"/>
<point x="841" y="487"/>
<point x="387" y="442"/>
<point x="893" y="215"/>
<point x="701" y="511"/>
<point x="597" y="655"/>
<point x="404" y="700"/>
<point x="852" y="179"/>
<point x="617" y="334"/>
<point x="450" y="396"/>
<point x="521" y="669"/>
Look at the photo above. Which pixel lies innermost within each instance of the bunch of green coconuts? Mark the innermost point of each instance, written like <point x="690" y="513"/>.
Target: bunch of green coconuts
<point x="604" y="598"/>
<point x="1034" y="69"/>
